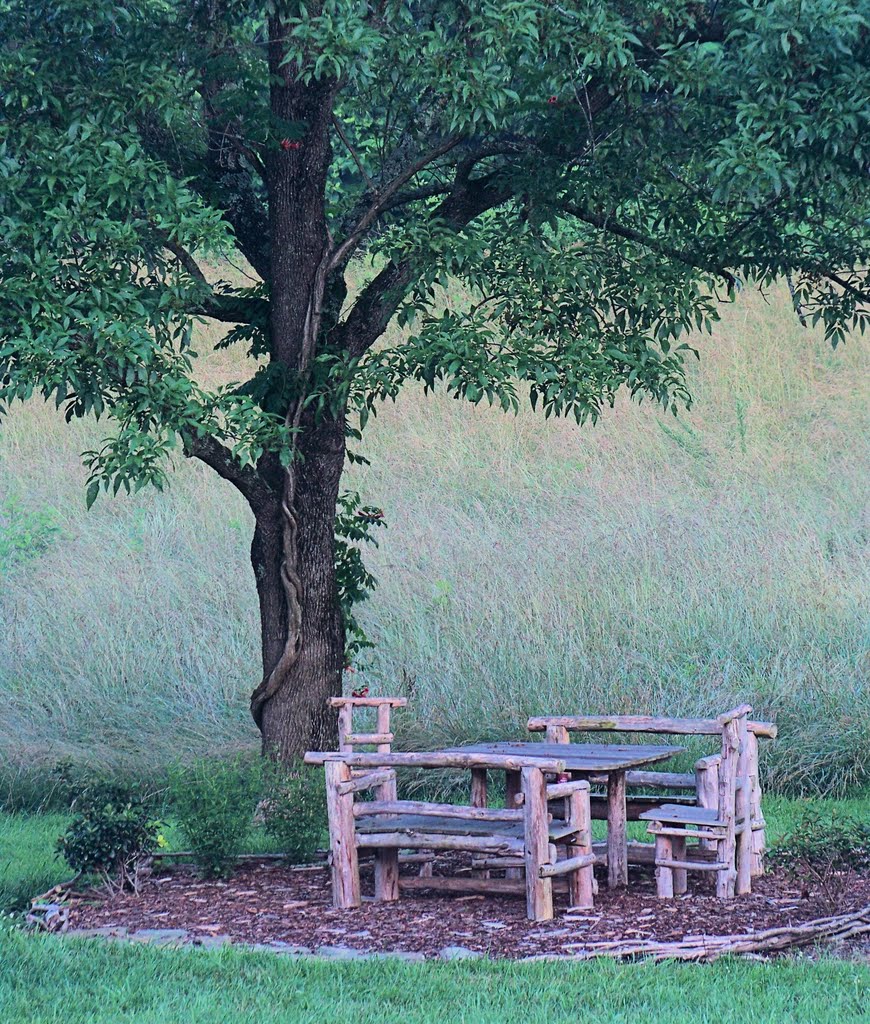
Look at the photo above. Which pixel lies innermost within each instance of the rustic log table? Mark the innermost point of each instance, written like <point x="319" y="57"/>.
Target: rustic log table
<point x="582" y="760"/>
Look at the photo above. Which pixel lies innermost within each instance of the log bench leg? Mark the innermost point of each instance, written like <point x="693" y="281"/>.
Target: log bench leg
<point x="680" y="875"/>
<point x="539" y="891"/>
<point x="479" y="798"/>
<point x="344" y="860"/>
<point x="386" y="860"/>
<point x="582" y="881"/>
<point x="758" y="833"/>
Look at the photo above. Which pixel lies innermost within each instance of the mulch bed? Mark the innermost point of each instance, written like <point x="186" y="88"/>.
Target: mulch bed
<point x="269" y="902"/>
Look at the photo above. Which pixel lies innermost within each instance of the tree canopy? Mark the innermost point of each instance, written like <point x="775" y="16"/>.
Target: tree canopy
<point x="598" y="175"/>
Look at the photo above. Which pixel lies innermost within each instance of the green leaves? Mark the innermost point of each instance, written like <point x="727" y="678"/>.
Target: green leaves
<point x="604" y="174"/>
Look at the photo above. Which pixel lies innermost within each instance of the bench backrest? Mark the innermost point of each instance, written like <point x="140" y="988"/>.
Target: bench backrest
<point x="559" y="727"/>
<point x="382" y="738"/>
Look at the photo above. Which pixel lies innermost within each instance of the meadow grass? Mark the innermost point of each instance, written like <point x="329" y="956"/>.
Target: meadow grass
<point x="648" y="564"/>
<point x="79" y="982"/>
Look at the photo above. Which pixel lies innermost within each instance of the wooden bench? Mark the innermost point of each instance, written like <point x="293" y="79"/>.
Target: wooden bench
<point x="382" y="737"/>
<point x="387" y="824"/>
<point x="702" y="786"/>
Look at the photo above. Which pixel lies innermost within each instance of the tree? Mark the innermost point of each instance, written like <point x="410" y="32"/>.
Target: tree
<point x="599" y="174"/>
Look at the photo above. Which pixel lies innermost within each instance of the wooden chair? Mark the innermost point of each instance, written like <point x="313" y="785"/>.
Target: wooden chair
<point x="387" y="825"/>
<point x="701" y="786"/>
<point x="725" y="830"/>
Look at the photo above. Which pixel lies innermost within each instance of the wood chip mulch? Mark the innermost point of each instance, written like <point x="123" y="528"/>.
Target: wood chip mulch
<point x="269" y="902"/>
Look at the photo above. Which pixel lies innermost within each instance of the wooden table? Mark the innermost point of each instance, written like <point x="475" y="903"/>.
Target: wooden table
<point x="609" y="760"/>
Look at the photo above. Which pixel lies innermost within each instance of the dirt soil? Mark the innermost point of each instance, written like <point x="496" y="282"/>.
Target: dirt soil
<point x="268" y="902"/>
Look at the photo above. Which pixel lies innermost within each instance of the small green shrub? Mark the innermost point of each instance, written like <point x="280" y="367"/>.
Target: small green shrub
<point x="24" y="533"/>
<point x="294" y="811"/>
<point x="214" y="802"/>
<point x="824" y="852"/>
<point x="113" y="835"/>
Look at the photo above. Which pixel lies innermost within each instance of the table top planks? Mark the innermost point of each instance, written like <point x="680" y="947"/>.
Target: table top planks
<point x="579" y="757"/>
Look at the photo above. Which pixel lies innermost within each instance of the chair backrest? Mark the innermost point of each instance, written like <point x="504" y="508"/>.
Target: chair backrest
<point x="734" y="762"/>
<point x="382" y="737"/>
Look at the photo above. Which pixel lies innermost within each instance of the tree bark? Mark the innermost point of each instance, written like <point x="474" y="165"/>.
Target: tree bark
<point x="294" y="716"/>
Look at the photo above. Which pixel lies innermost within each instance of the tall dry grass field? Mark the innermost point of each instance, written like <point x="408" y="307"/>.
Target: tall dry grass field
<point x="646" y="564"/>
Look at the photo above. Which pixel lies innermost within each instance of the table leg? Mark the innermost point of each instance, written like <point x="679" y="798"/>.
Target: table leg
<point x="617" y="849"/>
<point x="479" y="799"/>
<point x="513" y="784"/>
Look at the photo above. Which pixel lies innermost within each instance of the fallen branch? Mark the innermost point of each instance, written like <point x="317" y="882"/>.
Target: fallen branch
<point x="711" y="947"/>
<point x="49" y="911"/>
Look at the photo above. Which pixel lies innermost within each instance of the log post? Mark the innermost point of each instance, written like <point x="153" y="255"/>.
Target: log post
<point x="558" y="734"/>
<point x="707" y="789"/>
<point x="384" y="727"/>
<point x="727" y="846"/>
<point x="479" y="799"/>
<point x="539" y="891"/>
<point x="680" y="875"/>
<point x="345" y="727"/>
<point x="344" y="862"/>
<point x="617" y="861"/>
<point x="581" y="881"/>
<point x="759" y="836"/>
<point x="664" y="875"/>
<point x="478" y="787"/>
<point x="386" y="859"/>
<point x="743" y="812"/>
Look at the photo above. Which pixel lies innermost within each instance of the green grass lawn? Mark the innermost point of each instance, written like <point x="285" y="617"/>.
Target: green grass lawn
<point x="46" y="979"/>
<point x="76" y="981"/>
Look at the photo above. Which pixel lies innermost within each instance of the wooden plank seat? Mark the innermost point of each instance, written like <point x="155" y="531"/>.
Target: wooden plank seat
<point x="684" y="815"/>
<point x="423" y="824"/>
<point x="635" y="804"/>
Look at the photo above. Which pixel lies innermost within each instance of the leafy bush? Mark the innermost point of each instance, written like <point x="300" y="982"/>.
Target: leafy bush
<point x="824" y="852"/>
<point x="214" y="802"/>
<point x="113" y="835"/>
<point x="295" y="810"/>
<point x="24" y="533"/>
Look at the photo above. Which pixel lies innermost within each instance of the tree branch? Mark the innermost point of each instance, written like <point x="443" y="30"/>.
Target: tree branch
<point x="857" y="293"/>
<point x="184" y="258"/>
<point x="232" y="309"/>
<point x="343" y="251"/>
<point x="379" y="300"/>
<point x="246" y="479"/>
<point x="630" y="234"/>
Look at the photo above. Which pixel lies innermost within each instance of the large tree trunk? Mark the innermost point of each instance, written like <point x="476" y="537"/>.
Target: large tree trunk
<point x="294" y="717"/>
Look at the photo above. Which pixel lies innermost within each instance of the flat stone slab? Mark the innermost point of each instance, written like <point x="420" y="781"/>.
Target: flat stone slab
<point x="160" y="936"/>
<point x="105" y="932"/>
<point x="340" y="953"/>
<point x="459" y="953"/>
